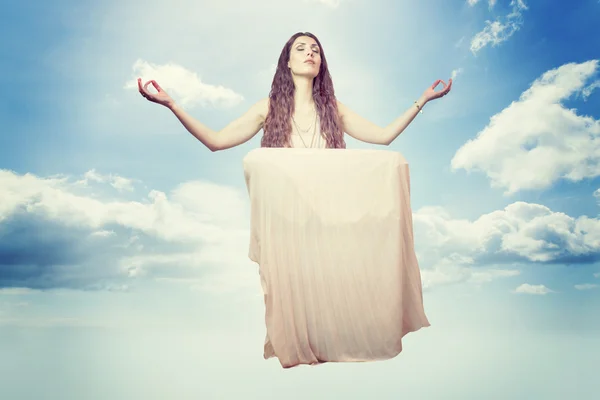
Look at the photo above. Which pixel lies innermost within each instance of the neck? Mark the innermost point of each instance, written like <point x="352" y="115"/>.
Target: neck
<point x="303" y="95"/>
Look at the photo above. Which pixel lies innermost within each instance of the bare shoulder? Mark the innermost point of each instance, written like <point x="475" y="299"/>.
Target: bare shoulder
<point x="342" y="109"/>
<point x="261" y="108"/>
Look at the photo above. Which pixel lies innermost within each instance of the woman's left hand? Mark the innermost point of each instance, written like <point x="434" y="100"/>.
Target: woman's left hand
<point x="431" y="94"/>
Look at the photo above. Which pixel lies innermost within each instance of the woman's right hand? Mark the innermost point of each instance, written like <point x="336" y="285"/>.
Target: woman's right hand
<point x="161" y="97"/>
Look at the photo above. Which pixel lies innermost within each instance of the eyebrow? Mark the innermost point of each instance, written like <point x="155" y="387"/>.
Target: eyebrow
<point x="312" y="45"/>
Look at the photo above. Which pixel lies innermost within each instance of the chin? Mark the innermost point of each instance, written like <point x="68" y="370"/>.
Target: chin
<point x="307" y="74"/>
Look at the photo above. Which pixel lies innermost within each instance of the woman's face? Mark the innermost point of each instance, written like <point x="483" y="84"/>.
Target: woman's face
<point x="305" y="57"/>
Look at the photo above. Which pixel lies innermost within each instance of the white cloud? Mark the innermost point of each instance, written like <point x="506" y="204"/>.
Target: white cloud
<point x="536" y="141"/>
<point x="183" y="85"/>
<point x="456" y="72"/>
<point x="587" y="91"/>
<point x="187" y="263"/>
<point x="118" y="182"/>
<point x="500" y="30"/>
<point x="471" y="3"/>
<point x="533" y="289"/>
<point x="586" y="286"/>
<point x="103" y="233"/>
<point x="521" y="232"/>
<point x="97" y="243"/>
<point x="196" y="212"/>
<point x="450" y="271"/>
<point x="484" y="276"/>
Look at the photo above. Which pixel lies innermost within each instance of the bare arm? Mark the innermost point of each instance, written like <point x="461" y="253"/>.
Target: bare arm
<point x="235" y="133"/>
<point x="366" y="131"/>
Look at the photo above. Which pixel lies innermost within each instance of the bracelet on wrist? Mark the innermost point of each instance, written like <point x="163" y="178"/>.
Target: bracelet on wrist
<point x="420" y="108"/>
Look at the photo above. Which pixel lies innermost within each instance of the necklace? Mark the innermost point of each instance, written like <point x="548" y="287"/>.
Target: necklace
<point x="310" y="126"/>
<point x="314" y="131"/>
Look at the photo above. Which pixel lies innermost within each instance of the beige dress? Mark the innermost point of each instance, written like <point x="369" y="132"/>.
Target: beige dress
<point x="332" y="234"/>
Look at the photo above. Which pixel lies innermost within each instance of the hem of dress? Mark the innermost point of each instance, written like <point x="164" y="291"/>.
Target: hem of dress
<point x="270" y="353"/>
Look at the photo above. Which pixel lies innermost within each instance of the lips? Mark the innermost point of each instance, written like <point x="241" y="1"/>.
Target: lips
<point x="309" y="62"/>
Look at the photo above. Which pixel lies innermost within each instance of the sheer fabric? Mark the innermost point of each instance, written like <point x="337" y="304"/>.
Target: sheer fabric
<point x="331" y="231"/>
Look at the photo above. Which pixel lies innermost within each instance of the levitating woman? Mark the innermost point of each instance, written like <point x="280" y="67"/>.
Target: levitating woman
<point x="302" y="111"/>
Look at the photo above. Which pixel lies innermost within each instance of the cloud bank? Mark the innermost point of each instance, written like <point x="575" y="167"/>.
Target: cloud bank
<point x="536" y="140"/>
<point x="56" y="234"/>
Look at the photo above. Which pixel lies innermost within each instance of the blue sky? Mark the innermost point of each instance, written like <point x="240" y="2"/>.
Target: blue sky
<point x="123" y="252"/>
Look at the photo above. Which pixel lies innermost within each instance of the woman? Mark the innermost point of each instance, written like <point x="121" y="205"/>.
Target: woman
<point x="301" y="110"/>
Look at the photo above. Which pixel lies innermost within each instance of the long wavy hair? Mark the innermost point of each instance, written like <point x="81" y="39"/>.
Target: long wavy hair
<point x="278" y="123"/>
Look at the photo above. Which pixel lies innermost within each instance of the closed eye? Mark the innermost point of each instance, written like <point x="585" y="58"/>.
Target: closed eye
<point x="316" y="51"/>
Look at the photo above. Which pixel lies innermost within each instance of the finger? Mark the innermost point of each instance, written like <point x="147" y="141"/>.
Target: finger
<point x="435" y="84"/>
<point x="140" y="88"/>
<point x="143" y="89"/>
<point x="447" y="89"/>
<point x="147" y="91"/>
<point x="156" y="86"/>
